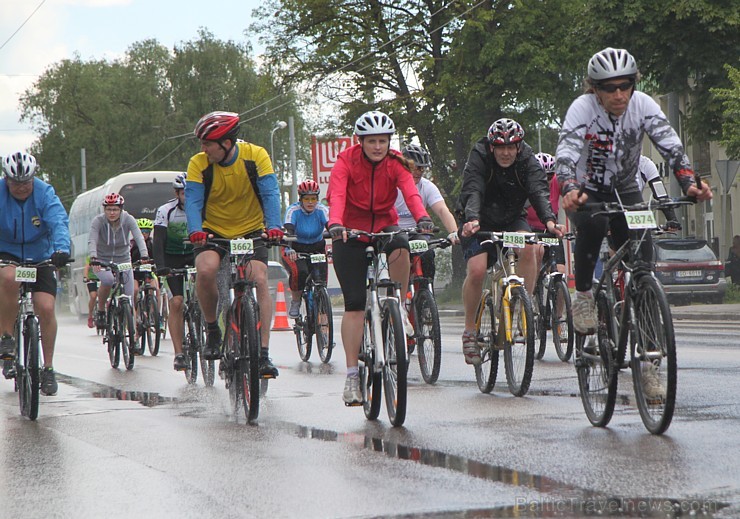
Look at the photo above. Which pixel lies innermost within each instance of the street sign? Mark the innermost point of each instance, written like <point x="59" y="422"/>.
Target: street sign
<point x="727" y="169"/>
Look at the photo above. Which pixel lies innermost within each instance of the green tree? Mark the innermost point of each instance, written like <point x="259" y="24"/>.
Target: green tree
<point x="730" y="99"/>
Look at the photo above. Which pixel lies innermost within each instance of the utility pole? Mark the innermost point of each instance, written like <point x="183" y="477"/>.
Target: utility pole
<point x="293" y="172"/>
<point x="83" y="184"/>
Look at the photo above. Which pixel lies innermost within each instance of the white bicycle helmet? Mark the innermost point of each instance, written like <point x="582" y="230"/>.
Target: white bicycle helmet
<point x="19" y="166"/>
<point x="180" y="180"/>
<point x="374" y="123"/>
<point x="611" y="63"/>
<point x="547" y="162"/>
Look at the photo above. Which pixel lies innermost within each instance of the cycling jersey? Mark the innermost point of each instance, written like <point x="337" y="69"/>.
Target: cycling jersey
<point x="308" y="227"/>
<point x="604" y="150"/>
<point x="647" y="170"/>
<point x="532" y="219"/>
<point x="430" y="195"/>
<point x="234" y="208"/>
<point x="172" y="233"/>
<point x="362" y="194"/>
<point x="35" y="228"/>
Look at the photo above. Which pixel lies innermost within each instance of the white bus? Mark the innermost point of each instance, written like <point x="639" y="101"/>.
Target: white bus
<point x="143" y="191"/>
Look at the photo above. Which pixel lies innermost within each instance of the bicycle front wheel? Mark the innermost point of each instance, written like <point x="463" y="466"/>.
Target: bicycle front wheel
<point x="395" y="369"/>
<point x="542" y="312"/>
<point x="207" y="366"/>
<point x="486" y="335"/>
<point x="127" y="334"/>
<point x="189" y="349"/>
<point x="29" y="384"/>
<point x="302" y="330"/>
<point x="154" y="330"/>
<point x="653" y="362"/>
<point x="563" y="334"/>
<point x="428" y="335"/>
<point x="247" y="366"/>
<point x="323" y="324"/>
<point x="370" y="380"/>
<point x="519" y="350"/>
<point x="595" y="367"/>
<point x="112" y="337"/>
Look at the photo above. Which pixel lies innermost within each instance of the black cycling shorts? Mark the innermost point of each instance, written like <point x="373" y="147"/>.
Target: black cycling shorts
<point x="46" y="280"/>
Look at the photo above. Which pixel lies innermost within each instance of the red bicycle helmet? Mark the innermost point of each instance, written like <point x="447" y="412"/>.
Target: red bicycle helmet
<point x="505" y="131"/>
<point x="113" y="199"/>
<point x="308" y="187"/>
<point x="216" y="126"/>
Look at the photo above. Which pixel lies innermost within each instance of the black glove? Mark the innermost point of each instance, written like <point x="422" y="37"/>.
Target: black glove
<point x="59" y="259"/>
<point x="425" y="224"/>
<point x="336" y="231"/>
<point x="163" y="271"/>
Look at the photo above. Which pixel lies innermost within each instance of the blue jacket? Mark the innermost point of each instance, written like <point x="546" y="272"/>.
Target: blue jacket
<point x="32" y="230"/>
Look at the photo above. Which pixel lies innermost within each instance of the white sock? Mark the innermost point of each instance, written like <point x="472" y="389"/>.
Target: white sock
<point x="353" y="372"/>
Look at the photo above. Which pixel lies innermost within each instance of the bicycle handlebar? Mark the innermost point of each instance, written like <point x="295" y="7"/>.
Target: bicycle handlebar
<point x="617" y="208"/>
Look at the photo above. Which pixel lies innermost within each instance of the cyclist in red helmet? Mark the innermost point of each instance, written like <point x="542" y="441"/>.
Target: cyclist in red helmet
<point x="231" y="192"/>
<point x="306" y="219"/>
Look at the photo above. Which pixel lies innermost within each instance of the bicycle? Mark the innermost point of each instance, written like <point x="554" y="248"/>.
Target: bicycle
<point x="315" y="313"/>
<point x="383" y="355"/>
<point x="164" y="308"/>
<point x="423" y="312"/>
<point x="194" y="336"/>
<point x="631" y="306"/>
<point x="504" y="318"/>
<point x="552" y="304"/>
<point x="119" y="334"/>
<point x="147" y="313"/>
<point x="27" y="339"/>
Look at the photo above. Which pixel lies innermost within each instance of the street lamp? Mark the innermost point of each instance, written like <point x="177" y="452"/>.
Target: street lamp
<point x="280" y="125"/>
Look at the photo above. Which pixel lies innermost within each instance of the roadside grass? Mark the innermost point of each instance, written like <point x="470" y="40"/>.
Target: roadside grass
<point x="732" y="295"/>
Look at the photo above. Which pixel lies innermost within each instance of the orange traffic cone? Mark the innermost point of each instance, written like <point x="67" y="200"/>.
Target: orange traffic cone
<point x="281" y="312"/>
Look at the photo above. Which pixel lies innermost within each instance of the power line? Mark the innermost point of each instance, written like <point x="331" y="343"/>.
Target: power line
<point x="24" y="23"/>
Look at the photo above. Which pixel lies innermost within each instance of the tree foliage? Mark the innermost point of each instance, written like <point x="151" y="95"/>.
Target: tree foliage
<point x="730" y="100"/>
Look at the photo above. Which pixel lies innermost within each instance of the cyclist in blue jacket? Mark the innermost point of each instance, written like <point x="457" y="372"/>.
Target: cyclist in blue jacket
<point x="34" y="226"/>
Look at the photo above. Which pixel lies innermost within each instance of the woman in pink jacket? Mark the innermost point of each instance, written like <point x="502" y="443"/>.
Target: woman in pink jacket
<point x="362" y="195"/>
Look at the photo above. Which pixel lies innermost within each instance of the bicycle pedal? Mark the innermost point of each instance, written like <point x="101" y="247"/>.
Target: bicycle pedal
<point x="352" y="404"/>
<point x="266" y="377"/>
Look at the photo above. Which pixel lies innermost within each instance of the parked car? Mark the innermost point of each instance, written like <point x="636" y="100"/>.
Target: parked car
<point x="689" y="270"/>
<point x="276" y="273"/>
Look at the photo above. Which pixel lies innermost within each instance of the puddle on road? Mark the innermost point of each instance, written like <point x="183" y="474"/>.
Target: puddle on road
<point x="95" y="390"/>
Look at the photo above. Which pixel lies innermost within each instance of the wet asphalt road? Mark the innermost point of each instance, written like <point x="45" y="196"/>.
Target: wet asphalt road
<point x="143" y="443"/>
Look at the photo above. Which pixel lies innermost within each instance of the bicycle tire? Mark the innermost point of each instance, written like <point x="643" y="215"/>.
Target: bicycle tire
<point x="370" y="381"/>
<point x="519" y="351"/>
<point x="395" y="382"/>
<point x="30" y="385"/>
<point x="541" y="307"/>
<point x="141" y="322"/>
<point x="428" y="335"/>
<point x="654" y="349"/>
<point x="302" y="329"/>
<point x="230" y="355"/>
<point x="114" y="341"/>
<point x="594" y="363"/>
<point x="248" y="362"/>
<point x="207" y="366"/>
<point x="561" y="324"/>
<point x="487" y="336"/>
<point x="189" y="349"/>
<point x="128" y="335"/>
<point x="153" y="323"/>
<point x="323" y="324"/>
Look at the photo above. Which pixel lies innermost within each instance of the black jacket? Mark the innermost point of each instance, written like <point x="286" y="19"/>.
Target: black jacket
<point x="495" y="196"/>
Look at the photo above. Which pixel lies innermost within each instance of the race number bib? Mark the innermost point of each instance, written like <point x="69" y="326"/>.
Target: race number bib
<point x="318" y="258"/>
<point x="514" y="239"/>
<point x="550" y="241"/>
<point x="418" y="246"/>
<point x="123" y="267"/>
<point x="640" y="219"/>
<point x="242" y="246"/>
<point x="192" y="270"/>
<point x="145" y="267"/>
<point x="27" y="274"/>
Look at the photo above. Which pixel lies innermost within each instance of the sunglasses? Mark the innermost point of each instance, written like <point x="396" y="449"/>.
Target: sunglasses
<point x="610" y="88"/>
<point x="309" y="199"/>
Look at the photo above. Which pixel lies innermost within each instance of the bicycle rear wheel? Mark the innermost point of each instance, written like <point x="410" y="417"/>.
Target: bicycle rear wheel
<point x="323" y="324"/>
<point x="654" y="369"/>
<point x="154" y="331"/>
<point x="247" y="366"/>
<point x="519" y="351"/>
<point x="370" y="381"/>
<point x="428" y="335"/>
<point x="28" y="375"/>
<point x="486" y="334"/>
<point x="542" y="312"/>
<point x="561" y="325"/>
<point x="395" y="369"/>
<point x="302" y="330"/>
<point x="594" y="362"/>
<point x="127" y="334"/>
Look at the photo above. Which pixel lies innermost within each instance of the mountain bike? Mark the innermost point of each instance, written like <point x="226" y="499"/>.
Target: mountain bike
<point x="504" y="319"/>
<point x="28" y="358"/>
<point x="383" y="355"/>
<point x="423" y="312"/>
<point x="119" y="334"/>
<point x="552" y="303"/>
<point x="632" y="309"/>
<point x="194" y="333"/>
<point x="164" y="308"/>
<point x="147" y="312"/>
<point x="315" y="314"/>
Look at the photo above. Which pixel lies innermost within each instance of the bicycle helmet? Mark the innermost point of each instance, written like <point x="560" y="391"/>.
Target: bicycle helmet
<point x="505" y="131"/>
<point x="419" y="155"/>
<point x="145" y="224"/>
<point x="113" y="199"/>
<point x="217" y="126"/>
<point x="308" y="187"/>
<point x="611" y="63"/>
<point x="179" y="182"/>
<point x="547" y="162"/>
<point x="374" y="123"/>
<point x="19" y="166"/>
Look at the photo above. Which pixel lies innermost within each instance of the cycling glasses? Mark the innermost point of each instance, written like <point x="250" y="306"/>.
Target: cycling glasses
<point x="610" y="88"/>
<point x="309" y="198"/>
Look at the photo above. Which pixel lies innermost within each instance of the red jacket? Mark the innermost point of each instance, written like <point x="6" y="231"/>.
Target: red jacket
<point x="362" y="195"/>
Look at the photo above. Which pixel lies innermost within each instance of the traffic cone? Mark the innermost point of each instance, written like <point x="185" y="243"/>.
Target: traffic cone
<point x="281" y="312"/>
